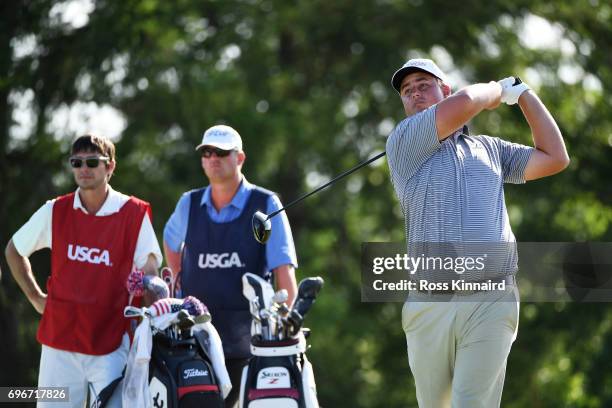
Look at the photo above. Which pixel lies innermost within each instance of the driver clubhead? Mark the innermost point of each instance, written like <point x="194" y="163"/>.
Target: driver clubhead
<point x="262" y="227"/>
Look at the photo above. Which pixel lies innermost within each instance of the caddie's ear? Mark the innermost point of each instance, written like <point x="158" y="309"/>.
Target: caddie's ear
<point x="110" y="169"/>
<point x="241" y="157"/>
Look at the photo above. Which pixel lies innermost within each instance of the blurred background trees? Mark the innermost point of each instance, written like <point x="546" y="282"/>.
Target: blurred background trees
<point x="307" y="86"/>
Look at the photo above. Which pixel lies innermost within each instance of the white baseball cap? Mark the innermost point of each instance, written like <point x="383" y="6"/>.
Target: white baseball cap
<point x="222" y="137"/>
<point x="417" y="64"/>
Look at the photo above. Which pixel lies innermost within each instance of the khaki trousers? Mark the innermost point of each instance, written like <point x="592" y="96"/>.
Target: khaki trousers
<point x="458" y="346"/>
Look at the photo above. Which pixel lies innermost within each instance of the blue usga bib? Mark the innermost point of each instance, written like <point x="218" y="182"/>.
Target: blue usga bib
<point x="215" y="257"/>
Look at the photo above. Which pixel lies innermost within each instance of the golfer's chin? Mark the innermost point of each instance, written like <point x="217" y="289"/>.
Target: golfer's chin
<point x="416" y="109"/>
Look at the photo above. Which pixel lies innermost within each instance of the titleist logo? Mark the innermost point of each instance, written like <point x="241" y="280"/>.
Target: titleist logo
<point x="194" y="372"/>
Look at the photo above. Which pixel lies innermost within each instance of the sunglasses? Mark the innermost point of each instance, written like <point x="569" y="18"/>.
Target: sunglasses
<point x="92" y="162"/>
<point x="208" y="152"/>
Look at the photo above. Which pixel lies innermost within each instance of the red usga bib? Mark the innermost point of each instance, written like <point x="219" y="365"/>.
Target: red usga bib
<point x="91" y="258"/>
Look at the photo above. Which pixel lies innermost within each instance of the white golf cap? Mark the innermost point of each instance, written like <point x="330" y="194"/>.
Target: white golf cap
<point x="417" y="64"/>
<point x="222" y="137"/>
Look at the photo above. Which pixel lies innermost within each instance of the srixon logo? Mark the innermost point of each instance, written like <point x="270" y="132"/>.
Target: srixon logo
<point x="273" y="377"/>
<point x="223" y="261"/>
<point x="90" y="255"/>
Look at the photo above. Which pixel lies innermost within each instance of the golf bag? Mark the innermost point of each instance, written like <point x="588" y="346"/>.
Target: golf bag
<point x="181" y="374"/>
<point x="279" y="375"/>
<point x="176" y="360"/>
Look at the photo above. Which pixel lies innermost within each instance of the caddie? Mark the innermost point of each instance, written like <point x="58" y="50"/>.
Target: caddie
<point x="207" y="239"/>
<point x="97" y="236"/>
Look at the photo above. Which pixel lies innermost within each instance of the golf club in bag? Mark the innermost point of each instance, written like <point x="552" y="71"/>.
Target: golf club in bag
<point x="262" y="227"/>
<point x="279" y="375"/>
<point x="176" y="359"/>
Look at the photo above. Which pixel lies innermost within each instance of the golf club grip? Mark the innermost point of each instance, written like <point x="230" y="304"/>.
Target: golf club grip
<point x="346" y="173"/>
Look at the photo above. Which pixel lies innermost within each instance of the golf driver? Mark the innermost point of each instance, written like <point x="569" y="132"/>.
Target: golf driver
<point x="262" y="227"/>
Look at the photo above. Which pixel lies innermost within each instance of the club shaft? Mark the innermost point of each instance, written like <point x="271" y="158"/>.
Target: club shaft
<point x="346" y="173"/>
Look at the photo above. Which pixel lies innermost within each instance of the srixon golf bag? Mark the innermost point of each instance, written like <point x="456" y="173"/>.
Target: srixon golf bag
<point x="279" y="375"/>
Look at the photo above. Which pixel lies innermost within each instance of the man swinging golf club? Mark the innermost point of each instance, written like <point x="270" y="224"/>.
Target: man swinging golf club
<point x="450" y="187"/>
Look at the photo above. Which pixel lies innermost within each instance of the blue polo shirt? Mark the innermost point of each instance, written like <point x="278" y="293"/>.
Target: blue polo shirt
<point x="280" y="249"/>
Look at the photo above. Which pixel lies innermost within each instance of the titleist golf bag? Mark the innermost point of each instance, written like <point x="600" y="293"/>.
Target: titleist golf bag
<point x="181" y="372"/>
<point x="176" y="360"/>
<point x="279" y="375"/>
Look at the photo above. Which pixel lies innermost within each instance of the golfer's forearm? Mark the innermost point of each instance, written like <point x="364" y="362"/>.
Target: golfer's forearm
<point x="483" y="96"/>
<point x="456" y="110"/>
<point x="545" y="132"/>
<point x="22" y="272"/>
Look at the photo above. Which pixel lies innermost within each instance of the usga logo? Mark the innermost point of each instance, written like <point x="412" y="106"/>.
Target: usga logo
<point x="90" y="255"/>
<point x="224" y="260"/>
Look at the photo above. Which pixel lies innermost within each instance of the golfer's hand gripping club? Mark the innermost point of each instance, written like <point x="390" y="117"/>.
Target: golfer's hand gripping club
<point x="512" y="89"/>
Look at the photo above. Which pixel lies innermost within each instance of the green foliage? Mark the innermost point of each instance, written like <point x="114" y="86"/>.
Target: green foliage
<point x="307" y="85"/>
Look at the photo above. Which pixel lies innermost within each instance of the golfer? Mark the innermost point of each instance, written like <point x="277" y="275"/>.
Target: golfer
<point x="450" y="187"/>
<point x="96" y="236"/>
